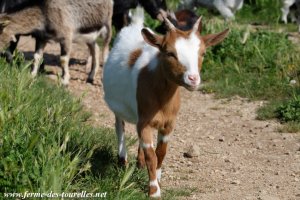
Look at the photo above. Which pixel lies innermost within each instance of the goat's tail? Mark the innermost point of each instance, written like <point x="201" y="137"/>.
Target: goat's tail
<point x="138" y="16"/>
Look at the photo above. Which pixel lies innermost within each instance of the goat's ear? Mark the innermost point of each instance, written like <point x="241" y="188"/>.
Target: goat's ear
<point x="198" y="25"/>
<point x="151" y="38"/>
<point x="214" y="39"/>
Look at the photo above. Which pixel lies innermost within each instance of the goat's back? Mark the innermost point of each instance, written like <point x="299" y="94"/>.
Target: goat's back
<point x="78" y="14"/>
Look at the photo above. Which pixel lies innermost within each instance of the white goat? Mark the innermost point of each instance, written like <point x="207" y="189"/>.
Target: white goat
<point x="141" y="82"/>
<point x="226" y="8"/>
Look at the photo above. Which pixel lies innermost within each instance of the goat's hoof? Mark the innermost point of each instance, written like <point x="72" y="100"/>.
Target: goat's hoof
<point x="65" y="82"/>
<point x="33" y="74"/>
<point x="122" y="162"/>
<point x="8" y="56"/>
<point x="90" y="80"/>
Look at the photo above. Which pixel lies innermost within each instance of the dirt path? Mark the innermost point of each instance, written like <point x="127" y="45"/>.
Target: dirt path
<point x="235" y="157"/>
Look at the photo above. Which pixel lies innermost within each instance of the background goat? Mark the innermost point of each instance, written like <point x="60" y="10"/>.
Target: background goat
<point x="185" y="20"/>
<point x="226" y="8"/>
<point x="155" y="8"/>
<point x="64" y="21"/>
<point x="287" y="9"/>
<point x="141" y="82"/>
<point x="10" y="6"/>
<point x="292" y="8"/>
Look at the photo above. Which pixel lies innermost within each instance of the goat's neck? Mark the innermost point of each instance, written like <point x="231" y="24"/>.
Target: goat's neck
<point x="163" y="84"/>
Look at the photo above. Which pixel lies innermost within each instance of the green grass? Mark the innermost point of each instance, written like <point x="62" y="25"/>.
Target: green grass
<point x="262" y="68"/>
<point x="255" y="63"/>
<point x="47" y="146"/>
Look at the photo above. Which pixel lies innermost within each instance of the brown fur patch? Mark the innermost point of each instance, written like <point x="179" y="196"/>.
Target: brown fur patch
<point x="152" y="190"/>
<point x="133" y="57"/>
<point x="158" y="99"/>
<point x="161" y="152"/>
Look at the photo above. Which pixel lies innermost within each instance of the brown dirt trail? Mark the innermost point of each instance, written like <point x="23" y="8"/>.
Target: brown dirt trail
<point x="233" y="155"/>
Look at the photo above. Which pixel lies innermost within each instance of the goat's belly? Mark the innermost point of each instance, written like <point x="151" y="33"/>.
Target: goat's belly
<point x="122" y="110"/>
<point x="120" y="94"/>
<point x="89" y="37"/>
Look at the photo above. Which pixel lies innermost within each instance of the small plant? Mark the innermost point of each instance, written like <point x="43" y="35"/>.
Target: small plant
<point x="290" y="111"/>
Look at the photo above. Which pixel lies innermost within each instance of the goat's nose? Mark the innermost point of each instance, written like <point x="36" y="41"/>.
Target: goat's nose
<point x="193" y="78"/>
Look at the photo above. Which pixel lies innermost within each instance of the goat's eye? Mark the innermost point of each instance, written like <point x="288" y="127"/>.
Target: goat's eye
<point x="171" y="54"/>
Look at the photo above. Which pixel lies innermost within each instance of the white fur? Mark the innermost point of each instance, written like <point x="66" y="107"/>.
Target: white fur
<point x="163" y="138"/>
<point x="37" y="60"/>
<point x="120" y="95"/>
<point x="64" y="60"/>
<point x="146" y="146"/>
<point x="227" y="8"/>
<point x="158" y="174"/>
<point x="121" y="139"/>
<point x="188" y="53"/>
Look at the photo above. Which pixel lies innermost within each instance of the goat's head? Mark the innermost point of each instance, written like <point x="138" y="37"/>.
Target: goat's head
<point x="181" y="52"/>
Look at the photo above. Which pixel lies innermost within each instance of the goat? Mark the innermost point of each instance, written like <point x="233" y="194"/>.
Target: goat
<point x="121" y="18"/>
<point x="10" y="6"/>
<point x="297" y="11"/>
<point x="286" y="10"/>
<point x="226" y="8"/>
<point x="63" y="21"/>
<point x="291" y="7"/>
<point x="185" y="20"/>
<point x="141" y="82"/>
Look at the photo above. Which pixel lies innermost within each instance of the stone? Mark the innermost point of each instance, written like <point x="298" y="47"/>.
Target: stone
<point x="192" y="151"/>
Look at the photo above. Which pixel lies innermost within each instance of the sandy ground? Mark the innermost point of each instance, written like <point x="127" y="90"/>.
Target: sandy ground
<point x="233" y="155"/>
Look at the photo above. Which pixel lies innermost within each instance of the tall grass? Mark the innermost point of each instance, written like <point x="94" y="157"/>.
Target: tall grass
<point x="262" y="68"/>
<point x="46" y="145"/>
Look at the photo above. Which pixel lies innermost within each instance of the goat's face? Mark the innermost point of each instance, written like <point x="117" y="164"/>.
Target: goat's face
<point x="181" y="52"/>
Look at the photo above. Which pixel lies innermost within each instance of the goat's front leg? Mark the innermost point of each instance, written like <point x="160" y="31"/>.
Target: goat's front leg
<point x="65" y="46"/>
<point x="146" y="142"/>
<point x="161" y="149"/>
<point x="141" y="158"/>
<point x="225" y="11"/>
<point x="122" y="153"/>
<point x="38" y="55"/>
<point x="95" y="52"/>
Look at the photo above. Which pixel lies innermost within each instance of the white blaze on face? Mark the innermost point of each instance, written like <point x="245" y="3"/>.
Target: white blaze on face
<point x="188" y="52"/>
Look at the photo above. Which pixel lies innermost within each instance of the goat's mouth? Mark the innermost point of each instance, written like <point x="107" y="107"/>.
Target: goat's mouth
<point x="191" y="87"/>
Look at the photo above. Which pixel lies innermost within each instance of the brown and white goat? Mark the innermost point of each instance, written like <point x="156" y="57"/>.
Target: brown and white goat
<point x="63" y="21"/>
<point x="141" y="83"/>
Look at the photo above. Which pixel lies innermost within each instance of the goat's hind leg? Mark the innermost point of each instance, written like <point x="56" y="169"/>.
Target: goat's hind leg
<point x="106" y="33"/>
<point x="120" y="131"/>
<point x="95" y="53"/>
